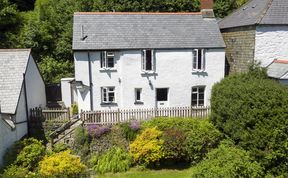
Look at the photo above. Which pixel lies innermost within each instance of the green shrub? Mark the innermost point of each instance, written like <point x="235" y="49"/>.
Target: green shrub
<point x="74" y="109"/>
<point x="25" y="153"/>
<point x="174" y="145"/>
<point x="81" y="142"/>
<point x="61" y="164"/>
<point x="30" y="155"/>
<point x="252" y="110"/>
<point x="14" y="171"/>
<point x="60" y="147"/>
<point x="200" y="136"/>
<point x="115" y="137"/>
<point x="227" y="161"/>
<point x="147" y="147"/>
<point x="115" y="160"/>
<point x="200" y="139"/>
<point x="130" y="129"/>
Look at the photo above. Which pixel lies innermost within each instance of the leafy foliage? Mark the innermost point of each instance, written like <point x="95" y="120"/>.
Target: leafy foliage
<point x="61" y="164"/>
<point x="174" y="145"/>
<point x="115" y="160"/>
<point x="130" y="129"/>
<point x="252" y="110"/>
<point x="22" y="149"/>
<point x="97" y="131"/>
<point x="147" y="147"/>
<point x="14" y="171"/>
<point x="228" y="161"/>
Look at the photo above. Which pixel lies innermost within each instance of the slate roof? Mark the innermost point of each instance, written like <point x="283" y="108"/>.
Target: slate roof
<point x="13" y="63"/>
<point x="254" y="12"/>
<point x="144" y="30"/>
<point x="278" y="69"/>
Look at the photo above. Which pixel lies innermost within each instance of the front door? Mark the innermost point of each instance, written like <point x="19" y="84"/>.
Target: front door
<point x="162" y="97"/>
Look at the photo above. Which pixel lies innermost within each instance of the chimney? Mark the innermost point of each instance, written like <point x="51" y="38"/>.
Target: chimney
<point x="207" y="8"/>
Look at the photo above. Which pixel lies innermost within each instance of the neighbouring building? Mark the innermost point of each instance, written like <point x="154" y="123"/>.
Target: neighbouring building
<point x="21" y="88"/>
<point x="143" y="60"/>
<point x="256" y="32"/>
<point x="278" y="70"/>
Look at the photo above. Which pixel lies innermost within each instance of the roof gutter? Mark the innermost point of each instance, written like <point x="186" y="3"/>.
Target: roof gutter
<point x="26" y="103"/>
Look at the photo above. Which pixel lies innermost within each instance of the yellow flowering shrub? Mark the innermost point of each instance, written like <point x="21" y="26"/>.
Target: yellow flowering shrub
<point x="147" y="147"/>
<point x="61" y="164"/>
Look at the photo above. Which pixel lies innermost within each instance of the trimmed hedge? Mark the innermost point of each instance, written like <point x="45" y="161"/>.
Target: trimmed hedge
<point x="252" y="110"/>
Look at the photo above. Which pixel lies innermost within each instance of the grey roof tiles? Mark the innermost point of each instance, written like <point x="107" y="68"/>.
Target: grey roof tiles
<point x="278" y="69"/>
<point x="100" y="31"/>
<point x="263" y="12"/>
<point x="13" y="63"/>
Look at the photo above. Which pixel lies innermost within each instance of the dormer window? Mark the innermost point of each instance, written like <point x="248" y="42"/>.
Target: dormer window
<point x="107" y="60"/>
<point x="147" y="60"/>
<point x="199" y="59"/>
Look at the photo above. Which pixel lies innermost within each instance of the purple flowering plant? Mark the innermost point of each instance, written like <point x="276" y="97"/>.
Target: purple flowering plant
<point x="97" y="131"/>
<point x="134" y="125"/>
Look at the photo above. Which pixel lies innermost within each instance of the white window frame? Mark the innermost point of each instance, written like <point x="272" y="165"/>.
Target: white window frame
<point x="135" y="93"/>
<point x="143" y="61"/>
<point x="105" y="94"/>
<point x="104" y="59"/>
<point x="195" y="61"/>
<point x="198" y="93"/>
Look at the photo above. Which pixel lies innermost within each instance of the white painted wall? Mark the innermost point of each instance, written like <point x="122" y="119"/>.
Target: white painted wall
<point x="35" y="86"/>
<point x="68" y="91"/>
<point x="173" y="71"/>
<point x="7" y="135"/>
<point x="271" y="43"/>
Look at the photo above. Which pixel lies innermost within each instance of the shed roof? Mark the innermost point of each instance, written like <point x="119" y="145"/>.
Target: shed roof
<point x="100" y="31"/>
<point x="278" y="69"/>
<point x="13" y="64"/>
<point x="263" y="12"/>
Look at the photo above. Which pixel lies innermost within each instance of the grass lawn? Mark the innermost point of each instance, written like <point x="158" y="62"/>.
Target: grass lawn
<point x="164" y="173"/>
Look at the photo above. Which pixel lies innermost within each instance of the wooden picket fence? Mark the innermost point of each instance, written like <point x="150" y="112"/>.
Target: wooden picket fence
<point x="105" y="117"/>
<point x="50" y="114"/>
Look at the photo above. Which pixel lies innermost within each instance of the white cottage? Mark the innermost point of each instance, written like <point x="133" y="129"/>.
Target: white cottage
<point x="21" y="88"/>
<point x="256" y="32"/>
<point x="144" y="60"/>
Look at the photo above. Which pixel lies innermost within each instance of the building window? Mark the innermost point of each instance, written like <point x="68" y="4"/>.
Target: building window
<point x="198" y="96"/>
<point x="147" y="60"/>
<point x="138" y="97"/>
<point x="198" y="59"/>
<point x="107" y="60"/>
<point x="108" y="94"/>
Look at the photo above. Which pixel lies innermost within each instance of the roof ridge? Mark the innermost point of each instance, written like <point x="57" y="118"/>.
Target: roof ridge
<point x="264" y="12"/>
<point x="20" y="49"/>
<point x="138" y="13"/>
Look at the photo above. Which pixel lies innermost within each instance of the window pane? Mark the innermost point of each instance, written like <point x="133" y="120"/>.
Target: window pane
<point x="194" y="59"/>
<point x="162" y="94"/>
<point x="110" y="62"/>
<point x="111" y="97"/>
<point x="148" y="60"/>
<point x="199" y="59"/>
<point x="201" y="103"/>
<point x="138" y="94"/>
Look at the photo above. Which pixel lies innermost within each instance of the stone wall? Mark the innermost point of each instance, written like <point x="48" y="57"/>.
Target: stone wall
<point x="240" y="47"/>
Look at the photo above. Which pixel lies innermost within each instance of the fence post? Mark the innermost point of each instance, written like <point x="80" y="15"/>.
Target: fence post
<point x="69" y="116"/>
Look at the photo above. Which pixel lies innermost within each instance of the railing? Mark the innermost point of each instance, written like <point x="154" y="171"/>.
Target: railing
<point x="55" y="114"/>
<point x="121" y="115"/>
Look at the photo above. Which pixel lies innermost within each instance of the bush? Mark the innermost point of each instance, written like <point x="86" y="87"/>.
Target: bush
<point x="130" y="129"/>
<point x="115" y="160"/>
<point x="25" y="153"/>
<point x="174" y="145"/>
<point x="14" y="171"/>
<point x="114" y="138"/>
<point x="227" y="161"/>
<point x="61" y="164"/>
<point x="200" y="136"/>
<point x="74" y="108"/>
<point x="81" y="142"/>
<point x="147" y="147"/>
<point x="252" y="110"/>
<point x="200" y="139"/>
